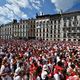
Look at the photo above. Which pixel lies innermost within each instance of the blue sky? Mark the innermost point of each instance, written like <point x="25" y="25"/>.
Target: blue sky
<point x="10" y="9"/>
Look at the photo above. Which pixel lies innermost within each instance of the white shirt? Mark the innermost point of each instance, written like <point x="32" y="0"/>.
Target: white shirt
<point x="17" y="78"/>
<point x="43" y="74"/>
<point x="2" y="71"/>
<point x="56" y="77"/>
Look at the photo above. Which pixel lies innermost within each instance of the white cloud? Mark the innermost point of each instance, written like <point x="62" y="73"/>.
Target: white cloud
<point x="36" y="4"/>
<point x="5" y="14"/>
<point x="26" y="3"/>
<point x="64" y="4"/>
<point x="12" y="9"/>
<point x="9" y="12"/>
<point x="4" y="20"/>
<point x="15" y="10"/>
<point x="20" y="3"/>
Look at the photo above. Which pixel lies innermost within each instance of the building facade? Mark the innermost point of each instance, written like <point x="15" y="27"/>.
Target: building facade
<point x="57" y="27"/>
<point x="6" y="31"/>
<point x="18" y="30"/>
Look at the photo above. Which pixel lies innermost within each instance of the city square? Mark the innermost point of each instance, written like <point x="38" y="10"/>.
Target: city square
<point x="40" y="40"/>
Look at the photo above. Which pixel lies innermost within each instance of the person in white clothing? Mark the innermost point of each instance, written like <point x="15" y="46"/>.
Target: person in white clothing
<point x="17" y="74"/>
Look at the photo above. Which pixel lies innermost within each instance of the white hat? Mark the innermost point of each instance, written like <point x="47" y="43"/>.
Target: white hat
<point x="45" y="67"/>
<point x="26" y="54"/>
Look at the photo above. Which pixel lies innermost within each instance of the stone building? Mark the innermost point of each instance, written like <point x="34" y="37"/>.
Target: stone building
<point x="18" y="30"/>
<point x="6" y="31"/>
<point x="58" y="27"/>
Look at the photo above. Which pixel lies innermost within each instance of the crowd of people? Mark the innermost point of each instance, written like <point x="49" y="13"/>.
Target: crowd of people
<point x="39" y="60"/>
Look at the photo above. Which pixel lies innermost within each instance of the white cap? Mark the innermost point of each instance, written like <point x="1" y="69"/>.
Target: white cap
<point x="45" y="67"/>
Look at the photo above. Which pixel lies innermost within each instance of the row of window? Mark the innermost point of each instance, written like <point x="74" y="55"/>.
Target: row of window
<point x="60" y="39"/>
<point x="48" y="35"/>
<point x="47" y="31"/>
<point x="70" y="21"/>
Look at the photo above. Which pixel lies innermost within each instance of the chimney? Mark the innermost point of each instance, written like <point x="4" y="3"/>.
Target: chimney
<point x="36" y="14"/>
<point x="14" y="21"/>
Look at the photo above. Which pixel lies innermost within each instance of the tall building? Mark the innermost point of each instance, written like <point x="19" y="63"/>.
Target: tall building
<point x="58" y="27"/>
<point x="27" y="29"/>
<point x="24" y="29"/>
<point x="6" y="31"/>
